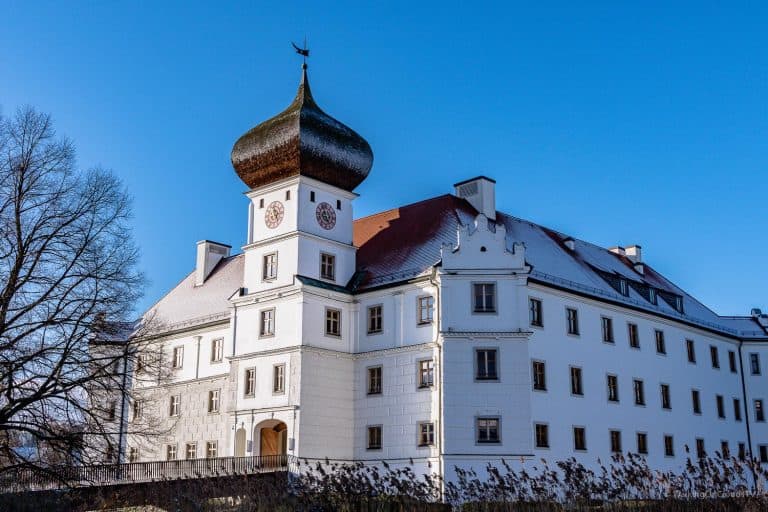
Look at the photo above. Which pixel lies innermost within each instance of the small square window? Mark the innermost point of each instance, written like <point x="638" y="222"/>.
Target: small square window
<point x="484" y="297"/>
<point x="572" y="319"/>
<point x="426" y="434"/>
<point x="536" y="318"/>
<point x="661" y="346"/>
<point x="539" y="376"/>
<point x="211" y="449"/>
<point x="642" y="443"/>
<point x="269" y="267"/>
<point x="425" y="306"/>
<point x="374" y="437"/>
<point x="615" y="436"/>
<point x="607" y="327"/>
<point x="374" y="380"/>
<point x="375" y="319"/>
<point x="267" y="325"/>
<point x="634" y="337"/>
<point x="214" y="400"/>
<point x="332" y="322"/>
<point x="541" y="431"/>
<point x="426" y="373"/>
<point x="579" y="439"/>
<point x="278" y="379"/>
<point x="327" y="266"/>
<point x="486" y="367"/>
<point x="487" y="430"/>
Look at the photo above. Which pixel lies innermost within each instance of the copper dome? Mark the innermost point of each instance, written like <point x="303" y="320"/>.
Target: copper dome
<point x="302" y="140"/>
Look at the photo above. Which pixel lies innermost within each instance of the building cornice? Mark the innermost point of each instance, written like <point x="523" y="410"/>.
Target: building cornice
<point x="487" y="334"/>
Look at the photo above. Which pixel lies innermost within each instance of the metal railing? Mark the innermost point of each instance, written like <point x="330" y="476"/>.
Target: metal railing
<point x="26" y="479"/>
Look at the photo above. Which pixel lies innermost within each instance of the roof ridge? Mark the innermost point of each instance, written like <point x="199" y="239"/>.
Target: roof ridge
<point x="384" y="212"/>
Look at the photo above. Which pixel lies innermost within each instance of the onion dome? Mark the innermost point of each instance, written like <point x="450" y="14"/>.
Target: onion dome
<point x="302" y="140"/>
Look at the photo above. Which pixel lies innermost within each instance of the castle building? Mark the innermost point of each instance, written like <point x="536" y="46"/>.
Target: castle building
<point x="443" y="332"/>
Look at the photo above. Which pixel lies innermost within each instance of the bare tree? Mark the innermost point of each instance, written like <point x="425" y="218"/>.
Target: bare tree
<point x="68" y="286"/>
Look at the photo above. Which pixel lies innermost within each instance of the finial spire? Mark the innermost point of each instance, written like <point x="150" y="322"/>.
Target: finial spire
<point x="304" y="52"/>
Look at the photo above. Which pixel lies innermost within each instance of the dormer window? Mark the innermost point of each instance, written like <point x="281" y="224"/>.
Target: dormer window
<point x="679" y="304"/>
<point x="652" y="296"/>
<point x="623" y="287"/>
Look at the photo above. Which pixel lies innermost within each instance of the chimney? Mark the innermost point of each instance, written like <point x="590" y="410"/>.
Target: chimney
<point x="634" y="253"/>
<point x="208" y="255"/>
<point x="480" y="192"/>
<point x="617" y="250"/>
<point x="570" y="243"/>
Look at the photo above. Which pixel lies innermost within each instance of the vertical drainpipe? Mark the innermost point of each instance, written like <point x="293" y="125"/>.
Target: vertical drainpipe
<point x="439" y="380"/>
<point x="746" y="411"/>
<point x="123" y="392"/>
<point x="197" y="358"/>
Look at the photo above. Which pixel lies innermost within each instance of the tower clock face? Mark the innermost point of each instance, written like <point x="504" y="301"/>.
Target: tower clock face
<point x="326" y="216"/>
<point x="274" y="214"/>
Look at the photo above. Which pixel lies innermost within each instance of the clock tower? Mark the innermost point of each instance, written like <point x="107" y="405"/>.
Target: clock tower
<point x="301" y="167"/>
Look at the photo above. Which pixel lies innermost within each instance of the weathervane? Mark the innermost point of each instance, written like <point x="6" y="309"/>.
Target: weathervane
<point x="304" y="52"/>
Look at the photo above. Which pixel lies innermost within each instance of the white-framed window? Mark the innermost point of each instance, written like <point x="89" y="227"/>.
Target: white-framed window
<point x="191" y="452"/>
<point x="541" y="435"/>
<point x="374" y="380"/>
<point x="572" y="321"/>
<point x="426" y="434"/>
<point x="374" y="437"/>
<point x="484" y="297"/>
<point x="269" y="268"/>
<point x="332" y="322"/>
<point x="278" y="379"/>
<point x="249" y="387"/>
<point x="214" y="400"/>
<point x="426" y="373"/>
<point x="580" y="439"/>
<point x="539" y="371"/>
<point x="375" y="319"/>
<point x="487" y="430"/>
<point x="178" y="357"/>
<point x="327" y="266"/>
<point x="267" y="324"/>
<point x="426" y="304"/>
<point x="535" y="312"/>
<point x="175" y="406"/>
<point x="211" y="449"/>
<point x="138" y="409"/>
<point x="486" y="364"/>
<point x="170" y="452"/>
<point x="217" y="350"/>
<point x="607" y="327"/>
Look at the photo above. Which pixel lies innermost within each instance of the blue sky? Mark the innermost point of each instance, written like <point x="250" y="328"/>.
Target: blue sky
<point x="616" y="124"/>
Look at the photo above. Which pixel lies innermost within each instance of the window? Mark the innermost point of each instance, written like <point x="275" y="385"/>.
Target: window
<point x="732" y="360"/>
<point x="696" y="402"/>
<point x="487" y="430"/>
<point x="287" y="195"/>
<point x="250" y="382"/>
<point x="426" y="434"/>
<point x="217" y="350"/>
<point x="720" y="406"/>
<point x="484" y="297"/>
<point x="715" y="357"/>
<point x="579" y="439"/>
<point x="534" y="306"/>
<point x="374" y="437"/>
<point x="759" y="411"/>
<point x="691" y="351"/>
<point x="191" y="450"/>
<point x="661" y="346"/>
<point x="327" y="266"/>
<point x="425" y="307"/>
<point x="613" y="388"/>
<point x="112" y="410"/>
<point x="486" y="364"/>
<point x="278" y="379"/>
<point x="737" y="409"/>
<point x="261" y="203"/>
<point x="669" y="446"/>
<point x="607" y="324"/>
<point x="700" y="451"/>
<point x="138" y="409"/>
<point x="615" y="436"/>
<point x="642" y="443"/>
<point x="133" y="454"/>
<point x="754" y="364"/>
<point x="267" y="326"/>
<point x="652" y="296"/>
<point x="665" y="400"/>
<point x="211" y="449"/>
<point x="141" y="363"/>
<point x="576" y="384"/>
<point x="374" y="319"/>
<point x="763" y="450"/>
<point x="170" y="452"/>
<point x="178" y="357"/>
<point x="311" y="196"/>
<point x="269" y="271"/>
<point x="639" y="389"/>
<point x="539" y="376"/>
<point x="725" y="450"/>
<point x="332" y="322"/>
<point x="213" y="400"/>
<point x="634" y="338"/>
<point x="374" y="380"/>
<point x="572" y="319"/>
<point x="426" y="373"/>
<point x="542" y="435"/>
<point x="742" y="451"/>
<point x="338" y="204"/>
<point x="175" y="405"/>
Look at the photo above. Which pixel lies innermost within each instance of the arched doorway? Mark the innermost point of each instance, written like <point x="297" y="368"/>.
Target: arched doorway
<point x="240" y="442"/>
<point x="272" y="436"/>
